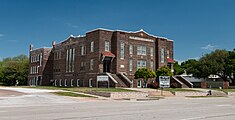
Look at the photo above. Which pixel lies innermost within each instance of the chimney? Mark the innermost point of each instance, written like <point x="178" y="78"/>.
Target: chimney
<point x="31" y="47"/>
<point x="53" y="43"/>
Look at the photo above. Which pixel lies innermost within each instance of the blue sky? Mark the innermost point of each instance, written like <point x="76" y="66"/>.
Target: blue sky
<point x="196" y="26"/>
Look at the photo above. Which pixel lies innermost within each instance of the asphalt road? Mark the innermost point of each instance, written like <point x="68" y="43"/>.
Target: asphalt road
<point x="41" y="105"/>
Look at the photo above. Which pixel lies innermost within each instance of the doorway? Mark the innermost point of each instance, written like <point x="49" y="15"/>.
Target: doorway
<point x="107" y="64"/>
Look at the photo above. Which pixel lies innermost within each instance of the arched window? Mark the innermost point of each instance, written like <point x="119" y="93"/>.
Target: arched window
<point x="60" y="82"/>
<point x="65" y="82"/>
<point x="90" y="82"/>
<point x="71" y="82"/>
<point x="78" y="82"/>
<point x="55" y="83"/>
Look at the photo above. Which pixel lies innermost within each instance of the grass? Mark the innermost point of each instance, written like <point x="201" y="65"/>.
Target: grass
<point x="72" y="94"/>
<point x="179" y="90"/>
<point x="82" y="89"/>
<point x="227" y="90"/>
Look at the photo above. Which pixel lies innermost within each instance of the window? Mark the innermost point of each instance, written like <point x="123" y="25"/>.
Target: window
<point x="144" y="63"/>
<point x="131" y="65"/>
<point x="167" y="54"/>
<point x="67" y="61"/>
<point x="151" y="65"/>
<point x="73" y="57"/>
<point x="70" y="60"/>
<point x="83" y="49"/>
<point x="37" y="69"/>
<point x="138" y="64"/>
<point x="92" y="46"/>
<point x="71" y="82"/>
<point x="151" y="51"/>
<point x="141" y="64"/>
<point x="141" y="50"/>
<point x="60" y="82"/>
<point x="91" y="64"/>
<point x="65" y="82"/>
<point x="139" y="84"/>
<point x="90" y="82"/>
<point x="78" y="82"/>
<point x="41" y="59"/>
<point x="122" y="50"/>
<point x="107" y="46"/>
<point x="162" y="55"/>
<point x="55" y="82"/>
<point x="131" y="49"/>
<point x="83" y="65"/>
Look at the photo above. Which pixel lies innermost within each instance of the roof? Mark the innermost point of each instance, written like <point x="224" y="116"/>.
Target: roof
<point x="109" y="54"/>
<point x="169" y="60"/>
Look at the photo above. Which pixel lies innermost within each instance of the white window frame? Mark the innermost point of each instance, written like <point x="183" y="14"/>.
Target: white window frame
<point x="162" y="55"/>
<point x="92" y="46"/>
<point x="55" y="82"/>
<point x="60" y="82"/>
<point x="151" y="51"/>
<point x="91" y="64"/>
<point x="78" y="81"/>
<point x="131" y="49"/>
<point x="167" y="54"/>
<point x="65" y="82"/>
<point x="83" y="49"/>
<point x="144" y="50"/>
<point x="122" y="50"/>
<point x="71" y="82"/>
<point x="141" y="64"/>
<point x="139" y="84"/>
<point x="131" y="65"/>
<point x="106" y="46"/>
<point x="90" y="82"/>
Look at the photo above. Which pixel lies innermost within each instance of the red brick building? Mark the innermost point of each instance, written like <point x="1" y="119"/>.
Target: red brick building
<point x="113" y="56"/>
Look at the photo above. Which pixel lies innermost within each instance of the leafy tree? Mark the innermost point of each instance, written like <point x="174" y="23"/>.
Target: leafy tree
<point x="214" y="63"/>
<point x="145" y="74"/>
<point x="164" y="71"/>
<point x="12" y="69"/>
<point x="178" y="70"/>
<point x="231" y="66"/>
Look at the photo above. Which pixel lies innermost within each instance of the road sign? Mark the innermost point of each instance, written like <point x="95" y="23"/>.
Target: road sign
<point x="164" y="81"/>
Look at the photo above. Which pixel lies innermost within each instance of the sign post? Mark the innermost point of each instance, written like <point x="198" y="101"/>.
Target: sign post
<point x="164" y="82"/>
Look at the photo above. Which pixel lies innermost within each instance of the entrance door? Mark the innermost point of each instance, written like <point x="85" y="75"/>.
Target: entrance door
<point x="106" y="64"/>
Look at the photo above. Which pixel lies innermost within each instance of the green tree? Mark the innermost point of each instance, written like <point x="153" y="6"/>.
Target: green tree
<point x="164" y="71"/>
<point x="12" y="69"/>
<point x="178" y="70"/>
<point x="231" y="66"/>
<point x="145" y="74"/>
<point x="215" y="63"/>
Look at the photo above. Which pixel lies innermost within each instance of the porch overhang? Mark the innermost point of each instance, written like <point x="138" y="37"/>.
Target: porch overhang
<point x="107" y="54"/>
<point x="169" y="60"/>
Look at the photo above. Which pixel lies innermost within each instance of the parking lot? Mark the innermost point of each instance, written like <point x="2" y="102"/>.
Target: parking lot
<point x="33" y="104"/>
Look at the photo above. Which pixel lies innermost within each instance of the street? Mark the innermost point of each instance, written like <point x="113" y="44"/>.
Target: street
<point x="41" y="105"/>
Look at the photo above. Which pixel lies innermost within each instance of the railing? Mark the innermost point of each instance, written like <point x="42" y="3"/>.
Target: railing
<point x="111" y="77"/>
<point x="125" y="79"/>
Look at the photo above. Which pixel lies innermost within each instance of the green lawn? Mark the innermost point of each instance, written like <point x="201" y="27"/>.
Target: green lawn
<point x="227" y="90"/>
<point x="179" y="90"/>
<point x="72" y="94"/>
<point x="82" y="89"/>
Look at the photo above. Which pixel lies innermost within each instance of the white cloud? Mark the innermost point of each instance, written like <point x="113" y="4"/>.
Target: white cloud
<point x="209" y="47"/>
<point x="72" y="25"/>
